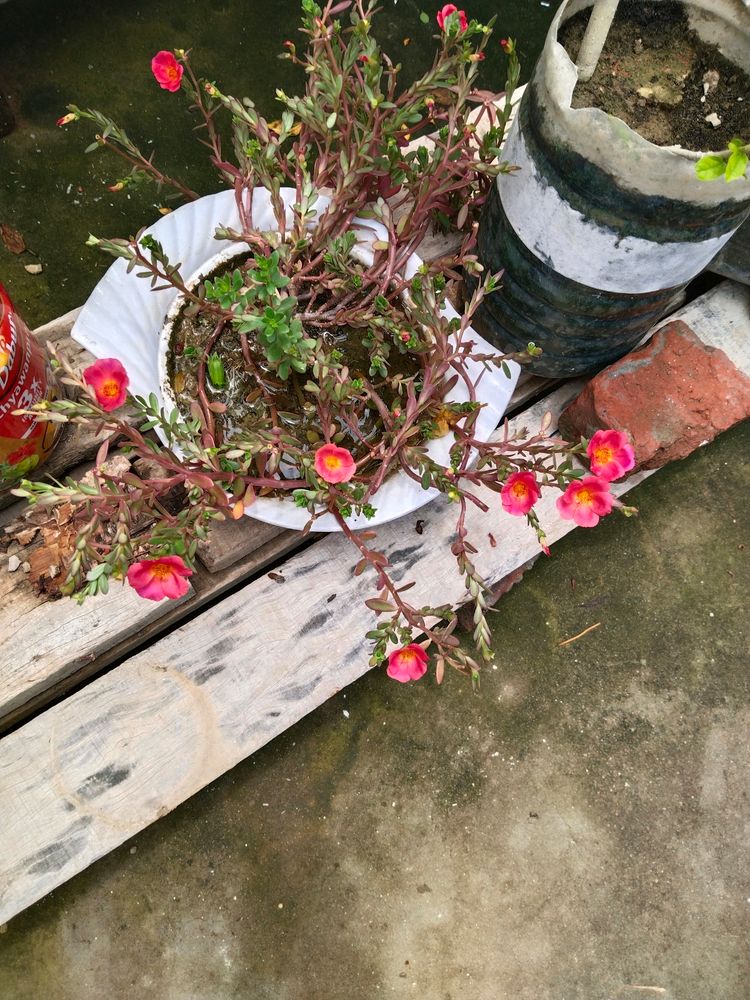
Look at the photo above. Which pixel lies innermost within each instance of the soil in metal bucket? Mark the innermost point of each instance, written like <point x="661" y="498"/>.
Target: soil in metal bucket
<point x="659" y="77"/>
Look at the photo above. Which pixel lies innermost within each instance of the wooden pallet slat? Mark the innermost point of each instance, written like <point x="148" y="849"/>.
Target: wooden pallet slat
<point x="131" y="745"/>
<point x="107" y="628"/>
<point x="43" y="682"/>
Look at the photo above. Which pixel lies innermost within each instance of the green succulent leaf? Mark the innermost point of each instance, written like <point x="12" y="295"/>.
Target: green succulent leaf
<point x="736" y="165"/>
<point x="709" y="168"/>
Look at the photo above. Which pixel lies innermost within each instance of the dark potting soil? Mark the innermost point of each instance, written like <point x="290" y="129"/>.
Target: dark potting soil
<point x="652" y="73"/>
<point x="247" y="394"/>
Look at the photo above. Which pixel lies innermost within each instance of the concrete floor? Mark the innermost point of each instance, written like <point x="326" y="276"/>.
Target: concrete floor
<point x="578" y="831"/>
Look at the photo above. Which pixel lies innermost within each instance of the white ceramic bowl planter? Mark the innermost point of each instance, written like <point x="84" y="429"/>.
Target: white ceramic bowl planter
<point x="600" y="229"/>
<point x="125" y="319"/>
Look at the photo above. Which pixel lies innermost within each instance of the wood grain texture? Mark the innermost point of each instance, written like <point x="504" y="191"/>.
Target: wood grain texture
<point x="29" y="679"/>
<point x="206" y="586"/>
<point x="81" y="778"/>
<point x="231" y="541"/>
<point x="136" y="742"/>
<point x="41" y="642"/>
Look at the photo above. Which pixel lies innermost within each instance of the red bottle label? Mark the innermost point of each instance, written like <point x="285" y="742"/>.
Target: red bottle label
<point x="24" y="380"/>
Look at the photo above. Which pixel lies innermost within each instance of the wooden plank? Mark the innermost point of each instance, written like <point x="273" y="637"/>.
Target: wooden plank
<point x="82" y="651"/>
<point x="44" y="641"/>
<point x="231" y="541"/>
<point x="90" y="636"/>
<point x="206" y="586"/>
<point x="80" y="779"/>
<point x="216" y="689"/>
<point x="104" y="630"/>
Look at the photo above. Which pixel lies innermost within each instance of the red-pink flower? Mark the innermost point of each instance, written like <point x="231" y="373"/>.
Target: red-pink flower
<point x="585" y="501"/>
<point x="408" y="663"/>
<point x="167" y="70"/>
<point x="157" y="578"/>
<point x="611" y="454"/>
<point x="110" y="382"/>
<point x="334" y="464"/>
<point x="520" y="493"/>
<point x="445" y="13"/>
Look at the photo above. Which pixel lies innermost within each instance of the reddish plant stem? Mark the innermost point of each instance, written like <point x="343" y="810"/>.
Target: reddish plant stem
<point x="146" y="165"/>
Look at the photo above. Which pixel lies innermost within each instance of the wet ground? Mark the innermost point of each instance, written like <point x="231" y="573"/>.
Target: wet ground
<point x="577" y="831"/>
<point x="97" y="53"/>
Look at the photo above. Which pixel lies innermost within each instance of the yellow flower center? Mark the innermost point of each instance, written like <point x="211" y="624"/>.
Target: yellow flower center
<point x="110" y="388"/>
<point x="333" y="462"/>
<point x="584" y="496"/>
<point x="161" y="571"/>
<point x="603" y="455"/>
<point x="407" y="658"/>
<point x="519" y="490"/>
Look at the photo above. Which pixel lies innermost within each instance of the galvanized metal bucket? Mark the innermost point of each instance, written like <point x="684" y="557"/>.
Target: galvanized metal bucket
<point x="600" y="230"/>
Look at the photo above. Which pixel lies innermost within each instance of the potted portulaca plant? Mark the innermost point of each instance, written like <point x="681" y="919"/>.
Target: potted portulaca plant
<point x="311" y="370"/>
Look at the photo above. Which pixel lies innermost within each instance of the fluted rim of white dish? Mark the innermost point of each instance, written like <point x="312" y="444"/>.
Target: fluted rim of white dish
<point x="124" y="318"/>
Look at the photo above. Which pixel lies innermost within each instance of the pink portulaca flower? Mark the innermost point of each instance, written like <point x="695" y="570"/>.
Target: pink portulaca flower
<point x="110" y="382"/>
<point x="611" y="454"/>
<point x="158" y="578"/>
<point x="334" y="464"/>
<point x="445" y="13"/>
<point x="167" y="70"/>
<point x="585" y="501"/>
<point x="407" y="664"/>
<point x="520" y="493"/>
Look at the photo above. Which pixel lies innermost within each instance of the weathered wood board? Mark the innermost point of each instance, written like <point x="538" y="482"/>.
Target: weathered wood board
<point x="43" y="639"/>
<point x="81" y="778"/>
<point x="103" y="630"/>
<point x="136" y="742"/>
<point x="34" y="683"/>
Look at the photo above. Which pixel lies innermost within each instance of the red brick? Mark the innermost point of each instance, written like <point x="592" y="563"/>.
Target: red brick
<point x="672" y="395"/>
